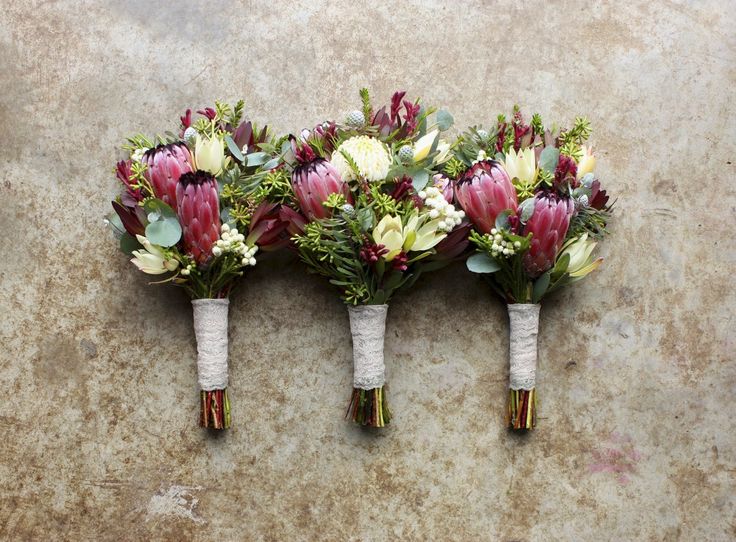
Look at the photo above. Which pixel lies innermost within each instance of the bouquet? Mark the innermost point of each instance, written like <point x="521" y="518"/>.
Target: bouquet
<point x="537" y="210"/>
<point x="194" y="209"/>
<point x="369" y="213"/>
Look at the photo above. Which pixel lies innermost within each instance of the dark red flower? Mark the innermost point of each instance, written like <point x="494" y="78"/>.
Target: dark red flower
<point x="410" y="117"/>
<point x="267" y="229"/>
<point x="598" y="197"/>
<point x="186" y="120"/>
<point x="294" y="220"/>
<point x="565" y="174"/>
<point x="131" y="218"/>
<point x="124" y="173"/>
<point x="396" y="105"/>
<point x="371" y="252"/>
<point x="198" y="208"/>
<point x="523" y="133"/>
<point x="208" y="112"/>
<point x="399" y="261"/>
<point x="402" y="189"/>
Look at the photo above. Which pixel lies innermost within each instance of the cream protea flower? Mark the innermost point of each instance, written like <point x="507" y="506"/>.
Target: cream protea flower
<point x="521" y="166"/>
<point x="586" y="164"/>
<point x="367" y="153"/>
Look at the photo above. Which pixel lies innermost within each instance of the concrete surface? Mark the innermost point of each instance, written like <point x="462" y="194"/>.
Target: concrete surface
<point x="636" y="437"/>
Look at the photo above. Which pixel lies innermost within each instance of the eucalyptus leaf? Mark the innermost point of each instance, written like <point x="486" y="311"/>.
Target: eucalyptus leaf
<point x="155" y="205"/>
<point x="587" y="180"/>
<point x="257" y="158"/>
<point x="234" y="149"/>
<point x="420" y="179"/>
<point x="128" y="243"/>
<point x="115" y="224"/>
<point x="527" y="210"/>
<point x="482" y="263"/>
<point x="549" y="158"/>
<point x="365" y="218"/>
<point x="540" y="287"/>
<point x="502" y="220"/>
<point x="165" y="233"/>
<point x="271" y="164"/>
<point x="444" y="119"/>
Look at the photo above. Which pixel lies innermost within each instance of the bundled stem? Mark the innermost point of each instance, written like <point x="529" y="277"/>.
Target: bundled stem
<point x="369" y="407"/>
<point x="522" y="411"/>
<point x="214" y="409"/>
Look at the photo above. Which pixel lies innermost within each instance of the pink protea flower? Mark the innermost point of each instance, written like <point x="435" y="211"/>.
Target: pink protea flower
<point x="483" y="192"/>
<point x="198" y="207"/>
<point x="548" y="226"/>
<point x="166" y="163"/>
<point x="313" y="180"/>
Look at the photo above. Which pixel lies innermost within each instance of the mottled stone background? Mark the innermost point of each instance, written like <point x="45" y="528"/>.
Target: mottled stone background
<point x="636" y="437"/>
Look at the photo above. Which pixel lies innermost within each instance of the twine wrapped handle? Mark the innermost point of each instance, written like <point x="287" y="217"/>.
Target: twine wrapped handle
<point x="210" y="329"/>
<point x="524" y="326"/>
<point x="368" y="328"/>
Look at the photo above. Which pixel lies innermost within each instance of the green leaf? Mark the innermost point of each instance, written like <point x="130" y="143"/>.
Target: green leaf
<point x="540" y="287"/>
<point x="234" y="149"/>
<point x="549" y="158"/>
<point x="379" y="297"/>
<point x="420" y="179"/>
<point x="158" y="208"/>
<point x="562" y="263"/>
<point x="482" y="263"/>
<point x="502" y="220"/>
<point x="164" y="233"/>
<point x="365" y="219"/>
<point x="444" y="119"/>
<point x="271" y="164"/>
<point x="128" y="243"/>
<point x="115" y="224"/>
<point x="257" y="159"/>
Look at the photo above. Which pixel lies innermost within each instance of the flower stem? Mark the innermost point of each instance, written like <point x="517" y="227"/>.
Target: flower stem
<point x="522" y="411"/>
<point x="369" y="407"/>
<point x="215" y="409"/>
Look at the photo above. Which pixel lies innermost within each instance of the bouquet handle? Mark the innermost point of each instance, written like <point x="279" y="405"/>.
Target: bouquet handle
<point x="523" y="330"/>
<point x="210" y="329"/>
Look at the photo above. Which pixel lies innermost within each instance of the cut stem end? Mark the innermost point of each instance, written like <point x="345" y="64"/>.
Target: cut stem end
<point x="522" y="411"/>
<point x="214" y="409"/>
<point x="369" y="407"/>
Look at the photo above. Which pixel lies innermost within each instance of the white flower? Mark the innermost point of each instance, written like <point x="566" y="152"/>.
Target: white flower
<point x="137" y="155"/>
<point x="521" y="165"/>
<point x="443" y="152"/>
<point x="580" y="251"/>
<point x="424" y="145"/>
<point x="217" y="251"/>
<point x="152" y="259"/>
<point x="209" y="154"/>
<point x="587" y="162"/>
<point x="369" y="156"/>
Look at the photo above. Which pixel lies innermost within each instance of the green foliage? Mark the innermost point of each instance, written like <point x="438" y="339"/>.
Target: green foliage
<point x="367" y="109"/>
<point x="163" y="228"/>
<point x="537" y="124"/>
<point x="571" y="140"/>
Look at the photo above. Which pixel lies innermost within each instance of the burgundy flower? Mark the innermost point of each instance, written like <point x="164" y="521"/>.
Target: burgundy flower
<point x="402" y="189"/>
<point x="165" y="164"/>
<point x="598" y="197"/>
<point x="198" y="207"/>
<point x="410" y="117"/>
<point x="294" y="220"/>
<point x="523" y="133"/>
<point x="483" y="192"/>
<point x="454" y="244"/>
<point x="371" y="252"/>
<point x="313" y="182"/>
<point x="124" y="173"/>
<point x="208" y="112"/>
<point x="267" y="229"/>
<point x="548" y="226"/>
<point x="565" y="174"/>
<point x="186" y="120"/>
<point x="131" y="217"/>
<point x="396" y="104"/>
<point x="399" y="262"/>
